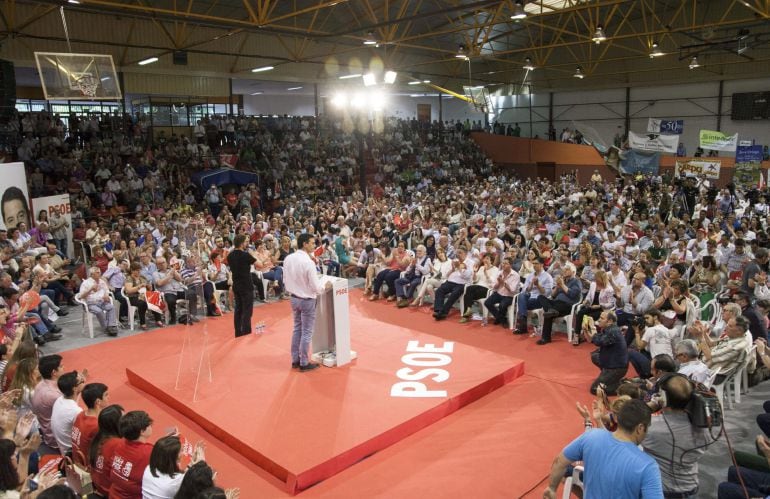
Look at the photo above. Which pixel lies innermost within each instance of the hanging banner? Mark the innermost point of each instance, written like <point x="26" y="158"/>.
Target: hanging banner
<point x="748" y="160"/>
<point x="61" y="201"/>
<point x="640" y="162"/>
<point x="653" y="143"/>
<point x="698" y="168"/>
<point x="591" y="137"/>
<point x="666" y="127"/>
<point x="718" y="141"/>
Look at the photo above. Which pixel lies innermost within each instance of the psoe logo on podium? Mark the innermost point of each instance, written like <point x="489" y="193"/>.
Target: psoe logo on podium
<point x="341" y="291"/>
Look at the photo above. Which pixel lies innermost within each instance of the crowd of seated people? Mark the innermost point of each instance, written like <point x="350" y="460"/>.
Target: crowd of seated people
<point x="643" y="267"/>
<point x="62" y="436"/>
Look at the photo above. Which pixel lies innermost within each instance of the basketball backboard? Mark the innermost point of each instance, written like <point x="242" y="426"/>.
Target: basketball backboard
<point x="78" y="76"/>
<point x="479" y="96"/>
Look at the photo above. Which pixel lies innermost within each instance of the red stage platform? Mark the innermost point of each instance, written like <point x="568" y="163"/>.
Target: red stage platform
<point x="306" y="427"/>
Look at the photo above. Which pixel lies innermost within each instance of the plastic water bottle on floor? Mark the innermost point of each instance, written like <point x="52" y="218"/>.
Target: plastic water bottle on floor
<point x="259" y="328"/>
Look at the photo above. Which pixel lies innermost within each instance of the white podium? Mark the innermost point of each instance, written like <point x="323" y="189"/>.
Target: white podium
<point x="331" y="337"/>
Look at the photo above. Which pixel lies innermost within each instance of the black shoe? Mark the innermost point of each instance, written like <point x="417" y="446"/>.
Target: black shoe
<point x="497" y="322"/>
<point x="308" y="367"/>
<point x="172" y="323"/>
<point x="55" y="329"/>
<point x="51" y="337"/>
<point x="39" y="340"/>
<point x="112" y="331"/>
<point x="519" y="331"/>
<point x="295" y="365"/>
<point x="62" y="312"/>
<point x="541" y="341"/>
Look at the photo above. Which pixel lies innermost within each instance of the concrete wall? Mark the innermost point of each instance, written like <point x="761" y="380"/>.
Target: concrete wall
<point x="604" y="110"/>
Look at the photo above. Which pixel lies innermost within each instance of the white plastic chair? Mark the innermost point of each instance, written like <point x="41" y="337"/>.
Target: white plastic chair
<point x="88" y="319"/>
<point x="741" y="377"/>
<point x="221" y="298"/>
<point x="131" y="312"/>
<point x="710" y="380"/>
<point x="723" y="390"/>
<point x="569" y="320"/>
<point x="571" y="481"/>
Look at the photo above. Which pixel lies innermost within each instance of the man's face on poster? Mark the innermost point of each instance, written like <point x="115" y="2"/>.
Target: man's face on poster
<point x="14" y="213"/>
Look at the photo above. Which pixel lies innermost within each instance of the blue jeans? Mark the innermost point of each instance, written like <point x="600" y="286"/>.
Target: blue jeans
<point x="757" y="484"/>
<point x="526" y="303"/>
<point x="497" y="305"/>
<point x="405" y="287"/>
<point x="274" y="274"/>
<point x="304" y="321"/>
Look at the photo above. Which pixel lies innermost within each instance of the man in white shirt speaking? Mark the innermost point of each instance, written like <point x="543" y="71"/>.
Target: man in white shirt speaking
<point x="301" y="281"/>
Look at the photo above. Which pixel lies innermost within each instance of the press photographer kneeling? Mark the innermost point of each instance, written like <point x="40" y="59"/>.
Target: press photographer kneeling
<point x="679" y="434"/>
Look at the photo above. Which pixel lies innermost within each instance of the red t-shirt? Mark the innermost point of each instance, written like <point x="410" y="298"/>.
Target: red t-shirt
<point x="128" y="464"/>
<point x="100" y="472"/>
<point x="84" y="430"/>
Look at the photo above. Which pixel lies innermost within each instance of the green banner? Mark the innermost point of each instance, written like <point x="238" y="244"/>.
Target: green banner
<point x="718" y="141"/>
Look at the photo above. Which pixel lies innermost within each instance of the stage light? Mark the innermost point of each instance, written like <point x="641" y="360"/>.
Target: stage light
<point x="293" y="88"/>
<point x="599" y="35"/>
<point x="257" y="93"/>
<point x="390" y="77"/>
<point x="339" y="100"/>
<point x="579" y="73"/>
<point x="370" y="79"/>
<point x="148" y="61"/>
<point x="370" y="39"/>
<point x="347" y="77"/>
<point x="377" y="100"/>
<point x="263" y="68"/>
<point x="655" y="52"/>
<point x="414" y="83"/>
<point x="518" y="11"/>
<point x="358" y="100"/>
<point x="528" y="64"/>
<point x="694" y="62"/>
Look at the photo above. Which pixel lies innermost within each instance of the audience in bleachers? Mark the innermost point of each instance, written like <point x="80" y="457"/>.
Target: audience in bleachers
<point x="651" y="260"/>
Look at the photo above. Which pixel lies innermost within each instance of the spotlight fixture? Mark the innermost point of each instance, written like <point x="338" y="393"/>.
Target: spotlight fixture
<point x="694" y="62"/>
<point x="599" y="35"/>
<point x="347" y="77"/>
<point x="528" y="64"/>
<point x="370" y="39"/>
<point x="462" y="53"/>
<point x="293" y="88"/>
<point x="579" y="73"/>
<point x="656" y="52"/>
<point x="370" y="79"/>
<point x="426" y="81"/>
<point x="415" y="82"/>
<point x="390" y="77"/>
<point x="518" y="11"/>
<point x="263" y="68"/>
<point x="148" y="61"/>
<point x="256" y="93"/>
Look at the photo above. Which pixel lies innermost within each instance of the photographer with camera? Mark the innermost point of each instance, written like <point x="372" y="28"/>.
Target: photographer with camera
<point x="650" y="339"/>
<point x="673" y="440"/>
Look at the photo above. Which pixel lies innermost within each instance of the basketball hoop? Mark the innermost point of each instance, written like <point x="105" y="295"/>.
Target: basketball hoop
<point x="87" y="84"/>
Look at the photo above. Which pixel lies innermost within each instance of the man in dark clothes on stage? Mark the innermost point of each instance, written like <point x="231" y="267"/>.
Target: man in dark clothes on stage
<point x="240" y="262"/>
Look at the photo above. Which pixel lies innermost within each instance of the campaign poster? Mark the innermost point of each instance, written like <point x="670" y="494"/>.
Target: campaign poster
<point x="14" y="201"/>
<point x="62" y="201"/>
